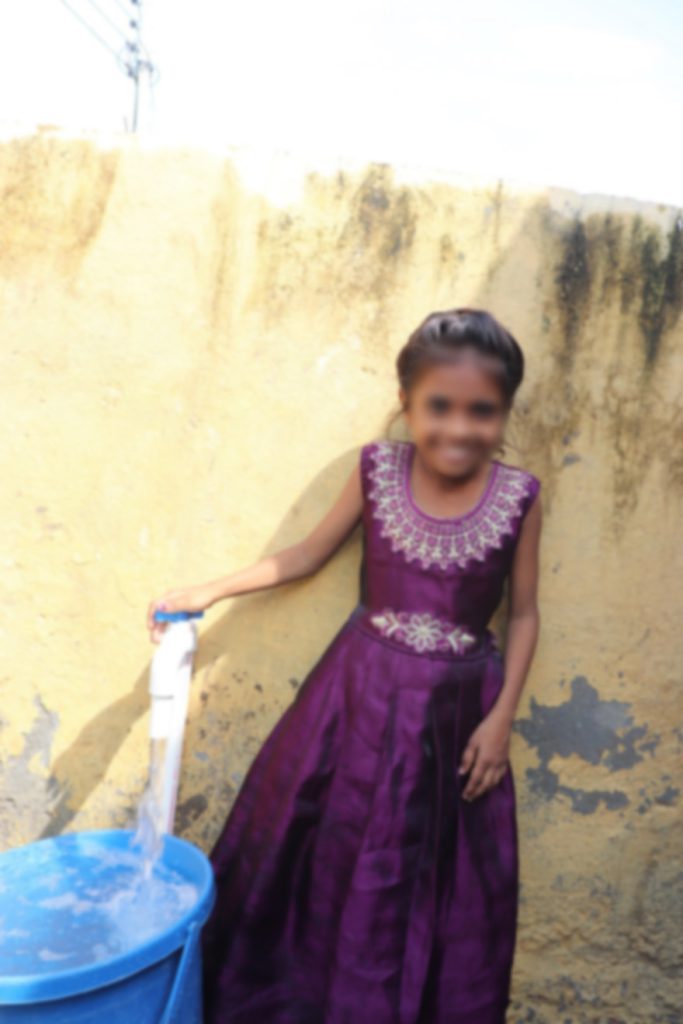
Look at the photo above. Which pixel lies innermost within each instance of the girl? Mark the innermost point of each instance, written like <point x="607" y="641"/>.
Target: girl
<point x="368" y="870"/>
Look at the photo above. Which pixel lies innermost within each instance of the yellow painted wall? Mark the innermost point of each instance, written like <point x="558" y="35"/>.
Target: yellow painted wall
<point x="194" y="346"/>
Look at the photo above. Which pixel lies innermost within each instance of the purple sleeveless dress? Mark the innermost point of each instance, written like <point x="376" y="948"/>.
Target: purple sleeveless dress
<point x="354" y="884"/>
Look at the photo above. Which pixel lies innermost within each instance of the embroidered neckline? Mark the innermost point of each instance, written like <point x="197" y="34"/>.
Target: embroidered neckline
<point x="432" y="540"/>
<point x="407" y="470"/>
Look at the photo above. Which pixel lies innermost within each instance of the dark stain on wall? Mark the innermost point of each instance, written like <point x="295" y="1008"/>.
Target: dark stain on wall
<point x="282" y="267"/>
<point x="378" y="233"/>
<point x="601" y="732"/>
<point x="662" y="284"/>
<point x="189" y="810"/>
<point x="352" y="234"/>
<point x="600" y="258"/>
<point x="54" y="195"/>
<point x="225" y="251"/>
<point x="446" y="250"/>
<point x="668" y="797"/>
<point x="24" y="793"/>
<point x="611" y="291"/>
<point x="572" y="287"/>
<point x="610" y="231"/>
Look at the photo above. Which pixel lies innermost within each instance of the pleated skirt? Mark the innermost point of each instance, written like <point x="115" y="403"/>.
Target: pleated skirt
<point x="354" y="883"/>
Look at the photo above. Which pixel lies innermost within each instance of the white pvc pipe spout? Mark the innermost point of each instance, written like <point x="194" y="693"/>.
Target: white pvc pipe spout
<point x="169" y="688"/>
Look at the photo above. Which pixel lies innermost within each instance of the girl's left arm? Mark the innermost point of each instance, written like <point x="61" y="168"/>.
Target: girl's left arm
<point x="523" y="617"/>
<point x="487" y="751"/>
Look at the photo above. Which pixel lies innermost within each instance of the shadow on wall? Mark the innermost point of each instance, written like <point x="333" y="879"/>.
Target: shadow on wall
<point x="232" y="700"/>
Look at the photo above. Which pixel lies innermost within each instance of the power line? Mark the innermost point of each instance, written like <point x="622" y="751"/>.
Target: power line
<point x="121" y="7"/>
<point x="100" y="39"/>
<point x="106" y="17"/>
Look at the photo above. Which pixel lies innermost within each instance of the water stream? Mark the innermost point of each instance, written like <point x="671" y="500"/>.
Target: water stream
<point x="149" y="826"/>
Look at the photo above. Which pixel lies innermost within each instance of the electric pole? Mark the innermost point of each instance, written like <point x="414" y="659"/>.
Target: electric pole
<point x="138" y="63"/>
<point x="133" y="57"/>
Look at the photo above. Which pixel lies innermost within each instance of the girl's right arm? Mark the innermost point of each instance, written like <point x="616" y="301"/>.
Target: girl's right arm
<point x="292" y="563"/>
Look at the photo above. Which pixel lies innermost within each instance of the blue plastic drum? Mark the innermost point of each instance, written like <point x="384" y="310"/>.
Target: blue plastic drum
<point x="86" y="936"/>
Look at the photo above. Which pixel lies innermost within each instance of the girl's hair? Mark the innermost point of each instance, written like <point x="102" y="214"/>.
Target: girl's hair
<point x="445" y="332"/>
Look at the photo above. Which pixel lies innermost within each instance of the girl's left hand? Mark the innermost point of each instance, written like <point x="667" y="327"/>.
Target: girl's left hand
<point x="486" y="753"/>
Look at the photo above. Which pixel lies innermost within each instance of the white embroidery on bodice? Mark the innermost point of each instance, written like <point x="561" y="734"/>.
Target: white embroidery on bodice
<point x="430" y="540"/>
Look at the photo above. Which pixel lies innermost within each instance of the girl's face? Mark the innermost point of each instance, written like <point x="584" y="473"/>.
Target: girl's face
<point x="456" y="412"/>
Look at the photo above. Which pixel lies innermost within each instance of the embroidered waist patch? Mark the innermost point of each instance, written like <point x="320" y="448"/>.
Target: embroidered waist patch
<point x="423" y="631"/>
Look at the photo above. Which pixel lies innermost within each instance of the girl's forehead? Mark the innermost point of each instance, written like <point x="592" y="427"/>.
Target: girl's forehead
<point x="463" y="371"/>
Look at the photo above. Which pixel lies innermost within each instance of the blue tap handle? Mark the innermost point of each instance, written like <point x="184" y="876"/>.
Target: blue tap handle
<point x="161" y="616"/>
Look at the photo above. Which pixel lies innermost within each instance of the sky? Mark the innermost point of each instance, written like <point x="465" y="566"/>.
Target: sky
<point x="586" y="95"/>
